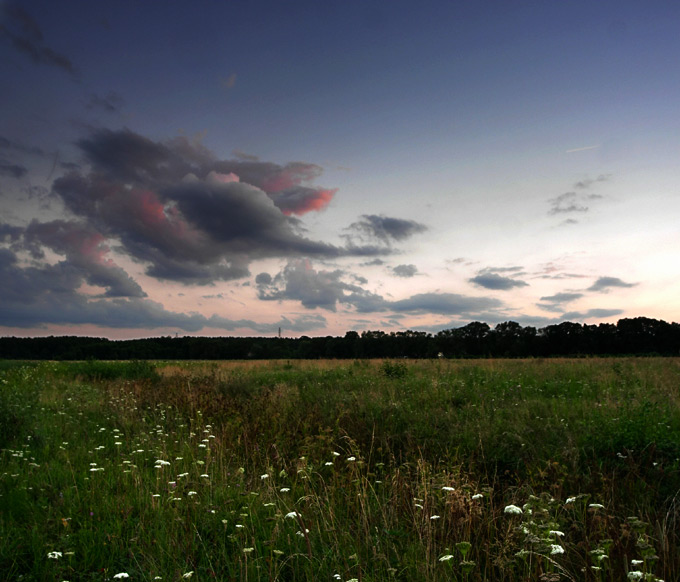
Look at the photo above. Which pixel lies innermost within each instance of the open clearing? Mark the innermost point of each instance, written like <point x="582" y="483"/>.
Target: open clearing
<point x="431" y="470"/>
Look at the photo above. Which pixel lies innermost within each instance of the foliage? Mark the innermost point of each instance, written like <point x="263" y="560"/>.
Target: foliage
<point x="445" y="470"/>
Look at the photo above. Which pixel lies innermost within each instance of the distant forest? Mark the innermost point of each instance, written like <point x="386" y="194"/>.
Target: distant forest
<point x="634" y="336"/>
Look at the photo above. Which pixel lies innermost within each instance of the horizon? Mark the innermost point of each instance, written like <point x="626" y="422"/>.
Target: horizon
<point x="228" y="170"/>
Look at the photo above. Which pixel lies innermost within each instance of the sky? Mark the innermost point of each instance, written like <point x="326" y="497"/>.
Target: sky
<point x="235" y="168"/>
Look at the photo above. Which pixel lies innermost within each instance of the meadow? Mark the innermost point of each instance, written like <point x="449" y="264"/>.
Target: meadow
<point x="367" y="470"/>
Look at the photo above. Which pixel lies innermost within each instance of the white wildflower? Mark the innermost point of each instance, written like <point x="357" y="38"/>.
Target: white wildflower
<point x="446" y="558"/>
<point x="556" y="549"/>
<point x="448" y="488"/>
<point x="513" y="510"/>
<point x="54" y="555"/>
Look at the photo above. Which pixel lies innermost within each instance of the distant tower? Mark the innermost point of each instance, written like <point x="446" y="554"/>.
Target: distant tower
<point x="279" y="333"/>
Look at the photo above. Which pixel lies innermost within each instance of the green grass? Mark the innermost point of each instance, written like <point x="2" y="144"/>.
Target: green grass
<point x="341" y="470"/>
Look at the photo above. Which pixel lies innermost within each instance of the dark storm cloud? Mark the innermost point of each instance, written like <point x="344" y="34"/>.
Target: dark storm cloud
<point x="604" y="283"/>
<point x="12" y="170"/>
<point x="23" y="32"/>
<point x="326" y="289"/>
<point x="33" y="297"/>
<point x="382" y="228"/>
<point x="496" y="282"/>
<point x="110" y="103"/>
<point x="147" y="195"/>
<point x="405" y="271"/>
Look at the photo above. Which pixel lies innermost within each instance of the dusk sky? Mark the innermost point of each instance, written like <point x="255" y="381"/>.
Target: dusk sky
<point x="232" y="168"/>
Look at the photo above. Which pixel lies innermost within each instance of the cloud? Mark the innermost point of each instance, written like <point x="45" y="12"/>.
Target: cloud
<point x="32" y="297"/>
<point x="12" y="170"/>
<point x="24" y="34"/>
<point x="605" y="283"/>
<point x="588" y="182"/>
<point x="149" y="197"/>
<point x="495" y="282"/>
<point x="111" y="103"/>
<point x="572" y="202"/>
<point x="444" y="304"/>
<point x="383" y="229"/>
<point x="566" y="203"/>
<point x="299" y="281"/>
<point x="554" y="302"/>
<point x="405" y="271"/>
<point x="7" y="144"/>
<point x="598" y="313"/>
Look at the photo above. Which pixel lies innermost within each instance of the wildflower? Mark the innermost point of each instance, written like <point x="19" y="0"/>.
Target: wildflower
<point x="192" y="493"/>
<point x="446" y="558"/>
<point x="238" y="526"/>
<point x="353" y="580"/>
<point x="205" y="476"/>
<point x="596" y="506"/>
<point x="637" y="562"/>
<point x="477" y="496"/>
<point x="554" y="532"/>
<point x="188" y="574"/>
<point x="635" y="575"/>
<point x="265" y="476"/>
<point x="556" y="549"/>
<point x="336" y="454"/>
<point x="277" y="552"/>
<point x="122" y="575"/>
<point x="284" y="489"/>
<point x="513" y="510"/>
<point x="292" y="515"/>
<point x="337" y="576"/>
<point x="328" y="463"/>
<point x="351" y="459"/>
<point x="248" y="550"/>
<point x="448" y="488"/>
<point x="570" y="500"/>
<point x="54" y="555"/>
<point x="435" y="516"/>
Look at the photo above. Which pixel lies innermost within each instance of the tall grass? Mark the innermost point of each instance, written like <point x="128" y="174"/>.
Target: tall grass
<point x="429" y="470"/>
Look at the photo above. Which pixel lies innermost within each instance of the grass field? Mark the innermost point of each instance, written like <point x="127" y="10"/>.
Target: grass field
<point x="332" y="470"/>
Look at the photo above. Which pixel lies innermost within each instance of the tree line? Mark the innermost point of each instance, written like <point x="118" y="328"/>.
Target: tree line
<point x="633" y="336"/>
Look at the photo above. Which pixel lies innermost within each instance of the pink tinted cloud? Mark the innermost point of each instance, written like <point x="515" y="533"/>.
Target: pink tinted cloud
<point x="314" y="202"/>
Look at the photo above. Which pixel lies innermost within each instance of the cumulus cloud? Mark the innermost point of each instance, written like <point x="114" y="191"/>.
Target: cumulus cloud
<point x="24" y="34"/>
<point x="605" y="283"/>
<point x="384" y="229"/>
<point x="35" y="296"/>
<point x="406" y="271"/>
<point x="299" y="281"/>
<point x="189" y="216"/>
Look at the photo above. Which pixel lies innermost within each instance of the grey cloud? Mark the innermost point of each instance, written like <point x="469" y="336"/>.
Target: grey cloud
<point x="34" y="297"/>
<point x="12" y="170"/>
<point x="444" y="304"/>
<point x="604" y="283"/>
<point x="300" y="282"/>
<point x="496" y="282"/>
<point x="405" y="271"/>
<point x="588" y="182"/>
<point x="566" y="203"/>
<point x="562" y="297"/>
<point x="25" y="35"/>
<point x="326" y="289"/>
<point x="596" y="312"/>
<point x="8" y="144"/>
<point x="110" y="103"/>
<point x="384" y="229"/>
<point x="147" y="195"/>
